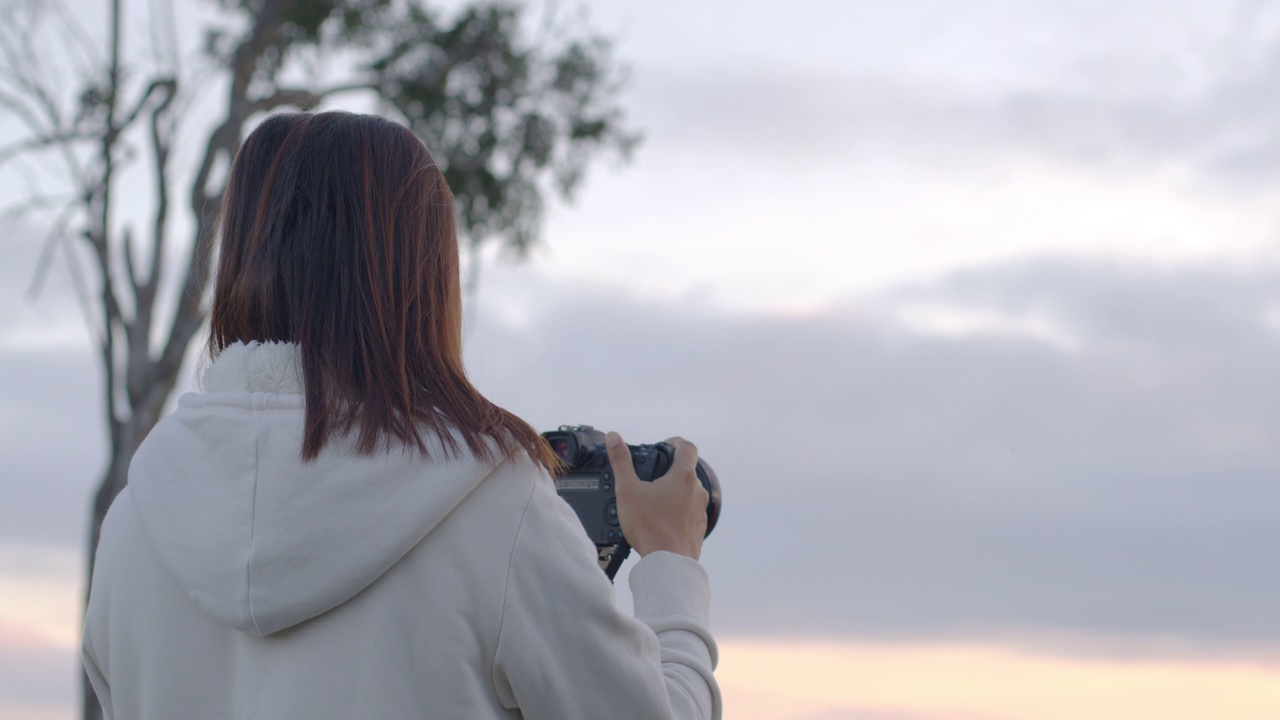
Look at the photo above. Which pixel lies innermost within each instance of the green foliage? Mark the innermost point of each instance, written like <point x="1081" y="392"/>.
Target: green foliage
<point x="509" y="118"/>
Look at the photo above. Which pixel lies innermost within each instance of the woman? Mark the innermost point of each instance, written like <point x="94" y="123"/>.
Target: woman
<point x="340" y="525"/>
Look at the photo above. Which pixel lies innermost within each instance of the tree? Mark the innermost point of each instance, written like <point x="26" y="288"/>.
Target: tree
<point x="510" y="119"/>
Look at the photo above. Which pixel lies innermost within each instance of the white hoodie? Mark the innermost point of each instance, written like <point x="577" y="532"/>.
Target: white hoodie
<point x="233" y="580"/>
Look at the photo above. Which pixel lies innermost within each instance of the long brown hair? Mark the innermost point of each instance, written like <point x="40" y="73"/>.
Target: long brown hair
<point x="338" y="234"/>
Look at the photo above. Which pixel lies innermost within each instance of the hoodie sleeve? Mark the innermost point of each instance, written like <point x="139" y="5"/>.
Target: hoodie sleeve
<point x="566" y="651"/>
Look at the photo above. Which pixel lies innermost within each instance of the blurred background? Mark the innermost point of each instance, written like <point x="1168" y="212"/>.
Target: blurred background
<point x="974" y="307"/>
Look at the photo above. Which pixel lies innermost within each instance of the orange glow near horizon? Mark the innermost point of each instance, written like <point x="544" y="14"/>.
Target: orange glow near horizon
<point x="782" y="680"/>
<point x="789" y="680"/>
<point x="797" y="680"/>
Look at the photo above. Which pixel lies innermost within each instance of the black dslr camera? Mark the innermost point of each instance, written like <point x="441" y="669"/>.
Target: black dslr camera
<point x="587" y="484"/>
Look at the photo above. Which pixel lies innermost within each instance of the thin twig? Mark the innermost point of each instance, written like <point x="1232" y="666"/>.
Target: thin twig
<point x="55" y="237"/>
<point x="28" y="173"/>
<point x="19" y="147"/>
<point x="21" y="208"/>
<point x="76" y="32"/>
<point x="81" y="289"/>
<point x="44" y="128"/>
<point x="171" y="28"/>
<point x="16" y="105"/>
<point x="25" y="75"/>
<point x="305" y="99"/>
<point x="129" y="270"/>
<point x="189" y="313"/>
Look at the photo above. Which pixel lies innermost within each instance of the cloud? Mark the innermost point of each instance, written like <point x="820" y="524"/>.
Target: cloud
<point x="885" y="482"/>
<point x="52" y="428"/>
<point x="50" y="319"/>
<point x="51" y="413"/>
<point x="55" y="444"/>
<point x="1195" y="96"/>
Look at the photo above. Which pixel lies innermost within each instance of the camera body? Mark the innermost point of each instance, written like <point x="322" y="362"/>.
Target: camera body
<point x="587" y="484"/>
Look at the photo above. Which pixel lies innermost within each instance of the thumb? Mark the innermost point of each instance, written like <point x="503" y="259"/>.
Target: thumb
<point x="619" y="457"/>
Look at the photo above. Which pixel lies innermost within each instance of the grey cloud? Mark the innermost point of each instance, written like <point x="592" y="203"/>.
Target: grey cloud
<point x="883" y="484"/>
<point x="1213" y="107"/>
<point x="1210" y="306"/>
<point x="22" y="248"/>
<point x="51" y="430"/>
<point x="880" y="484"/>
<point x="54" y="444"/>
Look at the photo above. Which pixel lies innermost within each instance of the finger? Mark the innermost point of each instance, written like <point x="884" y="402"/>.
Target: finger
<point x="620" y="458"/>
<point x="686" y="455"/>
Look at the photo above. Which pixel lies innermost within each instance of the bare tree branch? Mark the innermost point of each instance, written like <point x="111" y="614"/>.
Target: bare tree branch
<point x="171" y="32"/>
<point x="76" y="33"/>
<point x="302" y="99"/>
<point x="81" y="288"/>
<point x="107" y="353"/>
<point x="305" y="99"/>
<point x="21" y="147"/>
<point x="189" y="313"/>
<point x="160" y="147"/>
<point x="167" y="84"/>
<point x="140" y="366"/>
<point x="26" y="73"/>
<point x="55" y="237"/>
<point x="19" y="209"/>
<point x="131" y="274"/>
<point x="16" y="105"/>
<point x="100" y="227"/>
<point x="49" y="127"/>
<point x="28" y="173"/>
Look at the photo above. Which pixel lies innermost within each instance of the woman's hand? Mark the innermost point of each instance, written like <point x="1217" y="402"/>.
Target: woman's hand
<point x="669" y="513"/>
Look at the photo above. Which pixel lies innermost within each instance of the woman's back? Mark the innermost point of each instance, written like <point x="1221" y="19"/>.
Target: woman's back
<point x="342" y="526"/>
<point x="236" y="581"/>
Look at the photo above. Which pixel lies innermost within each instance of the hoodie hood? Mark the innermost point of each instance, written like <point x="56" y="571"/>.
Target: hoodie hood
<point x="256" y="537"/>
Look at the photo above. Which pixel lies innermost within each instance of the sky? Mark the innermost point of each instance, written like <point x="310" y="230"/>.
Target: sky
<point x="973" y="307"/>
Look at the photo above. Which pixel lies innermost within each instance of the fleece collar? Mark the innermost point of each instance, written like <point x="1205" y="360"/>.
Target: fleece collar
<point x="271" y="367"/>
